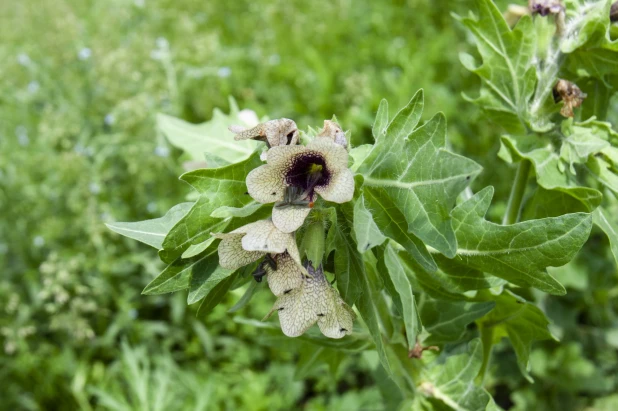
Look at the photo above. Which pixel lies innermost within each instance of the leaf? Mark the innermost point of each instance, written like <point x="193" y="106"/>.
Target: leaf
<point x="554" y="203"/>
<point x="244" y="211"/>
<point x="246" y="297"/>
<point x="606" y="221"/>
<point x="446" y="321"/>
<point x="225" y="185"/>
<point x="519" y="253"/>
<point x="348" y="261"/>
<point x="450" y="379"/>
<point x="401" y="283"/>
<point x="312" y="245"/>
<point x="152" y="232"/>
<point x="522" y="322"/>
<point x="411" y="167"/>
<point x="216" y="295"/>
<point x="367" y="233"/>
<point x="206" y="277"/>
<point x="381" y="121"/>
<point x="579" y="143"/>
<point x="508" y="73"/>
<point x="212" y="137"/>
<point x="177" y="275"/>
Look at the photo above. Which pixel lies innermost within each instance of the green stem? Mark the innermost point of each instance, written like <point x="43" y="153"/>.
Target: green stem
<point x="487" y="336"/>
<point x="517" y="193"/>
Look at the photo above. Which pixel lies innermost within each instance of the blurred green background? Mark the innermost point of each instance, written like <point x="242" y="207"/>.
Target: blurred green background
<point x="81" y="84"/>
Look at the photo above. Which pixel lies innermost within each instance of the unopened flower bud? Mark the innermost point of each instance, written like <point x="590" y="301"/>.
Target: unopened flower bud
<point x="570" y="94"/>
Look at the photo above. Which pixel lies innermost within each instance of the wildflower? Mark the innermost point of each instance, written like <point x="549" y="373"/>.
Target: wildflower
<point x="294" y="175"/>
<point x="314" y="301"/>
<point x="545" y="7"/>
<point x="286" y="276"/>
<point x="278" y="132"/>
<point x="572" y="96"/>
<point x="252" y="242"/>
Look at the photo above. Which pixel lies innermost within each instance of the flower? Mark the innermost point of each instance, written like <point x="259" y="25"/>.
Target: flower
<point x="253" y="241"/>
<point x="314" y="301"/>
<point x="287" y="276"/>
<point x="333" y="131"/>
<point x="278" y="132"/>
<point x="294" y="175"/>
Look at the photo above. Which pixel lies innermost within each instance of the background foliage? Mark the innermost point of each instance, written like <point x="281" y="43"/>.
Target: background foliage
<point x="82" y="84"/>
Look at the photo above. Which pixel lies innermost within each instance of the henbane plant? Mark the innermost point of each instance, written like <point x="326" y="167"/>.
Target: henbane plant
<point x="394" y="225"/>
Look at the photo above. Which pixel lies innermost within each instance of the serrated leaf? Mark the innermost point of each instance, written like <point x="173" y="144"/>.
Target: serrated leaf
<point x="519" y="253"/>
<point x="508" y="74"/>
<point x="450" y="379"/>
<point x="554" y="203"/>
<point x="579" y="143"/>
<point x="212" y="137"/>
<point x="446" y="321"/>
<point x="401" y="283"/>
<point x="522" y="322"/>
<point x="411" y="167"/>
<point x="367" y="233"/>
<point x="152" y="232"/>
<point x="217" y="187"/>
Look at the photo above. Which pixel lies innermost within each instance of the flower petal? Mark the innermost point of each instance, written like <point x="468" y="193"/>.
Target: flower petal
<point x="266" y="184"/>
<point x="340" y="188"/>
<point x="340" y="318"/>
<point x="287" y="277"/>
<point x="265" y="237"/>
<point x="231" y="253"/>
<point x="335" y="155"/>
<point x="289" y="218"/>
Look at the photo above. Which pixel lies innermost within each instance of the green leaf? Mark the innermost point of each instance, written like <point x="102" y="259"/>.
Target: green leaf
<point x="446" y="321"/>
<point x="522" y="322"/>
<point x="401" y="283"/>
<point x="253" y="288"/>
<point x="579" y="143"/>
<point x="606" y="221"/>
<point x="152" y="232"/>
<point x="244" y="211"/>
<point x="450" y="379"/>
<point x="312" y="245"/>
<point x="177" y="275"/>
<point x="212" y="137"/>
<point x="367" y="233"/>
<point x="381" y="121"/>
<point x="519" y="253"/>
<point x="216" y="295"/>
<point x="554" y="203"/>
<point x="217" y="187"/>
<point x="412" y="168"/>
<point x="206" y="277"/>
<point x="508" y="73"/>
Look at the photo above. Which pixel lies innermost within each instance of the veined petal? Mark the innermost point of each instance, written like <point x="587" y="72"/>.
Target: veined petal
<point x="231" y="253"/>
<point x="340" y="318"/>
<point x="266" y="184"/>
<point x="340" y="188"/>
<point x="282" y="156"/>
<point x="287" y="277"/>
<point x="265" y="237"/>
<point x="335" y="155"/>
<point x="289" y="218"/>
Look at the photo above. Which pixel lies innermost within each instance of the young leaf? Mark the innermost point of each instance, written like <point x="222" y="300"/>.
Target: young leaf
<point x="606" y="221"/>
<point x="507" y="73"/>
<point x="522" y="322"/>
<point x="206" y="276"/>
<point x="212" y="137"/>
<point x="411" y="167"/>
<point x="177" y="275"/>
<point x="152" y="232"/>
<point x="381" y="121"/>
<point x="450" y="379"/>
<point x="519" y="253"/>
<point x="401" y="283"/>
<point x="367" y="233"/>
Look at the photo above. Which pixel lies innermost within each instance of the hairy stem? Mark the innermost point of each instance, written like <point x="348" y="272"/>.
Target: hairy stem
<point x="517" y="193"/>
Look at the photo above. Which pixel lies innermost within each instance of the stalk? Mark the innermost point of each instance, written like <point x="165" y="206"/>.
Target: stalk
<point x="517" y="193"/>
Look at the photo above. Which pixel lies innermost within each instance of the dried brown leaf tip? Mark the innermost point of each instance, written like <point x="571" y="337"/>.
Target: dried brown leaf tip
<point x="545" y="7"/>
<point x="417" y="351"/>
<point x="570" y="94"/>
<point x="334" y="131"/>
<point x="279" y="132"/>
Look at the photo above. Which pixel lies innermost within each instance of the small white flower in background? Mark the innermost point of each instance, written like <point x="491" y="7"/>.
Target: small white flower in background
<point x="274" y="59"/>
<point x="252" y="242"/>
<point x="38" y="241"/>
<point x="22" y="136"/>
<point x="162" y="43"/>
<point x="151" y="207"/>
<point x="139" y="3"/>
<point x="84" y="54"/>
<point x="279" y="132"/>
<point x="94" y="188"/>
<point x="24" y="59"/>
<point x="314" y="301"/>
<point x="248" y="117"/>
<point x="33" y="87"/>
<point x="224" y="72"/>
<point x="109" y="119"/>
<point x="162" y="151"/>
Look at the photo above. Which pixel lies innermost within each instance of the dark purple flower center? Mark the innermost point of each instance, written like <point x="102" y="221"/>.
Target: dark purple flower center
<point x="307" y="172"/>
